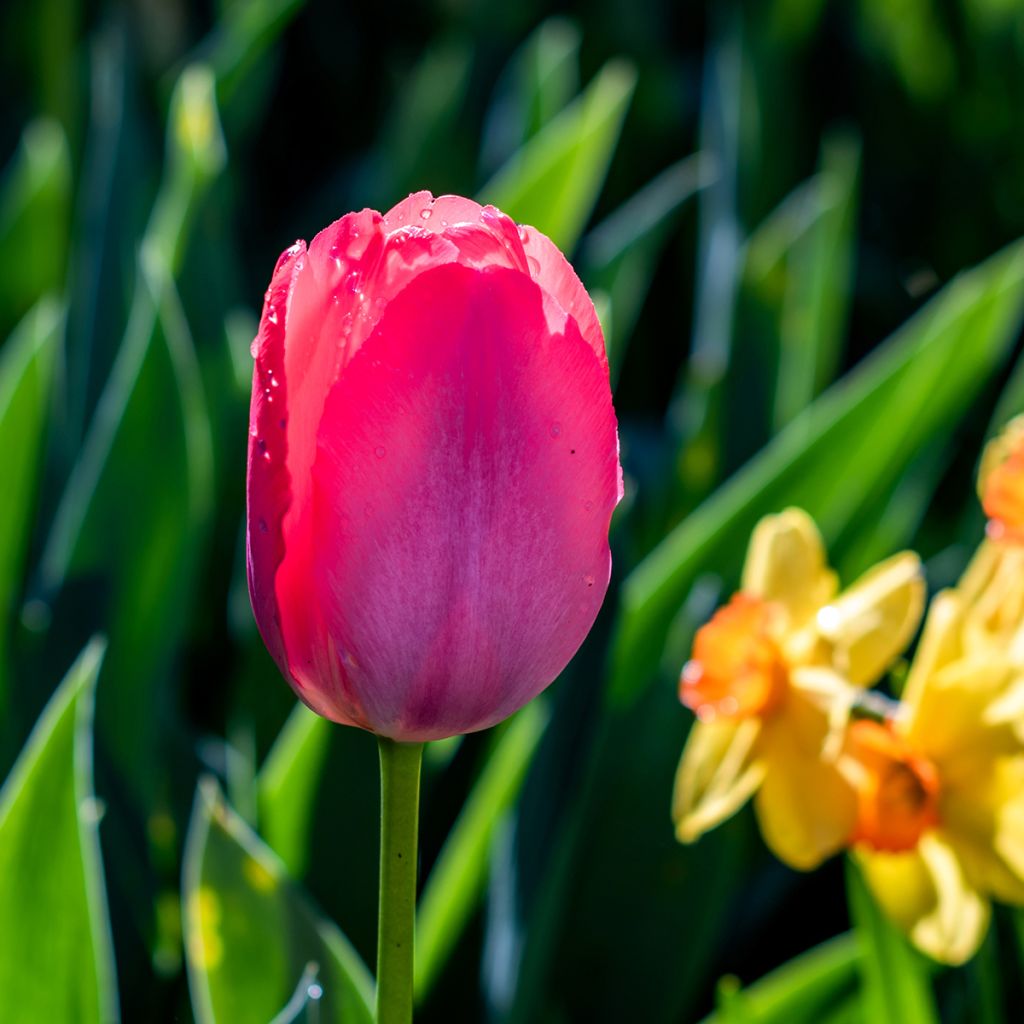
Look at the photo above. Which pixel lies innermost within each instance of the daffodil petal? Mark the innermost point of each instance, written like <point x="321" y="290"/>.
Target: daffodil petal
<point x="983" y="818"/>
<point x="871" y="622"/>
<point x="925" y="893"/>
<point x="805" y="808"/>
<point x="786" y="564"/>
<point x="948" y="714"/>
<point x="717" y="774"/>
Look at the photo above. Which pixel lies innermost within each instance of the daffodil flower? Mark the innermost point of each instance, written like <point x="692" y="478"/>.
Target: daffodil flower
<point x="772" y="679"/>
<point x="940" y="824"/>
<point x="1001" y="483"/>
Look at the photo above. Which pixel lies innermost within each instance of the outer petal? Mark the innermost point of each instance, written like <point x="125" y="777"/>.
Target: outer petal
<point x="718" y="772"/>
<point x="540" y="257"/>
<point x="871" y="622"/>
<point x="465" y="478"/>
<point x="786" y="564"/>
<point x="268" y="486"/>
<point x="806" y="809"/>
<point x="927" y="895"/>
<point x="940" y="644"/>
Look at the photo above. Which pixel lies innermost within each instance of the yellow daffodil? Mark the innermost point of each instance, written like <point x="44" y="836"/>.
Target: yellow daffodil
<point x="940" y="824"/>
<point x="1001" y="483"/>
<point x="772" y="679"/>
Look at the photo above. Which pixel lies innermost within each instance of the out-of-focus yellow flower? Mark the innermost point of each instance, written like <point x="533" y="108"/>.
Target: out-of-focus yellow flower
<point x="940" y="825"/>
<point x="1001" y="483"/>
<point x="772" y="679"/>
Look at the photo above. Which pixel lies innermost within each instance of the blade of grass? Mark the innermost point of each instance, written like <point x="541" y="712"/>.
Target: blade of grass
<point x="457" y="880"/>
<point x="554" y="180"/>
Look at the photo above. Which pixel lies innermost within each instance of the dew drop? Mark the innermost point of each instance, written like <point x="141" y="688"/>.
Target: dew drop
<point x="253" y="431"/>
<point x="588" y="580"/>
<point x="380" y="451"/>
<point x="426" y="213"/>
<point x="271" y="315"/>
<point x="254" y="348"/>
<point x="556" y="429"/>
<point x="353" y="281"/>
<point x="533" y="264"/>
<point x="274" y="382"/>
<point x="524" y="235"/>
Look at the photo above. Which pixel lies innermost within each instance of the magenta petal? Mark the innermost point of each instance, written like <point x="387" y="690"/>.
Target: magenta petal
<point x="464" y="481"/>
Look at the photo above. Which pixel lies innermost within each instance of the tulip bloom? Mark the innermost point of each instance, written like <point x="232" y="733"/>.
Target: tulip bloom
<point x="772" y="680"/>
<point x="433" y="465"/>
<point x="940" y="825"/>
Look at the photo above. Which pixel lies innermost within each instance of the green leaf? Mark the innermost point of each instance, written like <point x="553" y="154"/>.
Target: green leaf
<point x="554" y="180"/>
<point x="59" y="962"/>
<point x="26" y="372"/>
<point x="839" y="459"/>
<point x="620" y="255"/>
<point x="35" y="212"/>
<point x="150" y="438"/>
<point x="287" y="785"/>
<point x="251" y="934"/>
<point x="803" y="990"/>
<point x="814" y="312"/>
<point x="540" y="79"/>
<point x="896" y="985"/>
<point x="457" y="880"/>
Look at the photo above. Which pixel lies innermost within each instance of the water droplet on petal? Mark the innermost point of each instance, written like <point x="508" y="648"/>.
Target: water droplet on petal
<point x="524" y="235"/>
<point x="353" y="281"/>
<point x="426" y="213"/>
<point x="380" y="451"/>
<point x="533" y="264"/>
<point x="588" y="580"/>
<point x="274" y="382"/>
<point x="271" y="315"/>
<point x="556" y="429"/>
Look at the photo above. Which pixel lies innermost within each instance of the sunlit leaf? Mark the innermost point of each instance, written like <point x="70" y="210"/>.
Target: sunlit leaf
<point x="58" y="962"/>
<point x="554" y="180"/>
<point x="252" y="936"/>
<point x="287" y="785"/>
<point x="456" y="882"/>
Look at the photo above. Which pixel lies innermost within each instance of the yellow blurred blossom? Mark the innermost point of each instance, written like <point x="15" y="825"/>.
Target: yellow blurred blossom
<point x="772" y="679"/>
<point x="1001" y="483"/>
<point x="940" y="825"/>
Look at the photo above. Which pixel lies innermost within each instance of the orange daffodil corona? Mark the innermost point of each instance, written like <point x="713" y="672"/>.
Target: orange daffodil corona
<point x="926" y="792"/>
<point x="772" y="680"/>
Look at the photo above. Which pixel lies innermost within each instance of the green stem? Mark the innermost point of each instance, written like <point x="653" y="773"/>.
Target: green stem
<point x="399" y="820"/>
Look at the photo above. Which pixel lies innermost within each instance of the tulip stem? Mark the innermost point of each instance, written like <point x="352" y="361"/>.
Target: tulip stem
<point x="399" y="820"/>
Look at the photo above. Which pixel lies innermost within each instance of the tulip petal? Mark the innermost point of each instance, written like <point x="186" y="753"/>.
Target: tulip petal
<point x="871" y="622"/>
<point x="925" y="893"/>
<point x="805" y="808"/>
<point x="786" y="564"/>
<point x="529" y="249"/>
<point x="718" y="772"/>
<point x="465" y="478"/>
<point x="267" y="479"/>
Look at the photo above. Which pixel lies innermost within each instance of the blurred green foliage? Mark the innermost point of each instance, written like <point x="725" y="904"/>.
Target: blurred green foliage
<point x="758" y="196"/>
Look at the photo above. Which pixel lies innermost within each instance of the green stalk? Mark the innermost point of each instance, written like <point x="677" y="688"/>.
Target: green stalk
<point x="399" y="820"/>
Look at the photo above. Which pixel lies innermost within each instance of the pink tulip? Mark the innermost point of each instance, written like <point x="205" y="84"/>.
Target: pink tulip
<point x="433" y="465"/>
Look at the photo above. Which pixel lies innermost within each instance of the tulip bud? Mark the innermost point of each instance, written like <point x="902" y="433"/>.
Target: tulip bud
<point x="433" y="465"/>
